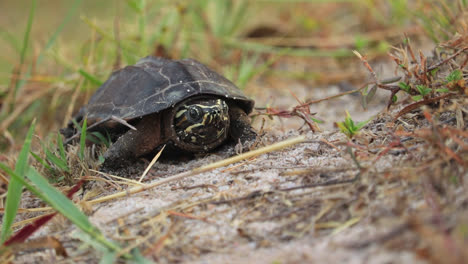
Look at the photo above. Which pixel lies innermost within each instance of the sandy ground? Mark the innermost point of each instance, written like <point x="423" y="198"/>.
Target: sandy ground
<point x="269" y="209"/>
<point x="276" y="227"/>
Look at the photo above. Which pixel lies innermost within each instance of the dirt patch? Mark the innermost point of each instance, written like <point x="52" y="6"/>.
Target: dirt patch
<point x="290" y="207"/>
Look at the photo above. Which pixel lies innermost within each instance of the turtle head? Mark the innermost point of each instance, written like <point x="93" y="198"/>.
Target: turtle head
<point x="200" y="124"/>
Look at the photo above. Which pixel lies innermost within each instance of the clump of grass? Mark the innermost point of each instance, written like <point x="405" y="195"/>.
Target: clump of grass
<point x="440" y="18"/>
<point x="40" y="186"/>
<point x="71" y="163"/>
<point x="12" y="110"/>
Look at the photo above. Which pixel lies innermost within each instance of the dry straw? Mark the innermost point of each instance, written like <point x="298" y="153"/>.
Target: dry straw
<point x="209" y="167"/>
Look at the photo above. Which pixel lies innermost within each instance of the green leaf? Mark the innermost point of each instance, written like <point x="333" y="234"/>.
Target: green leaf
<point x="13" y="197"/>
<point x="361" y="42"/>
<point x="318" y="121"/>
<point x="361" y="124"/>
<point x="416" y="97"/>
<point x="442" y="90"/>
<point x="371" y="93"/>
<point x="391" y="80"/>
<point x="404" y="86"/>
<point x="454" y="76"/>
<point x="136" y="5"/>
<point x="423" y="90"/>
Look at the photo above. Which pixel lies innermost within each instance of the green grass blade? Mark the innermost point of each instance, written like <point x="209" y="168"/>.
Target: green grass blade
<point x="14" y="187"/>
<point x="299" y="52"/>
<point x="57" y="161"/>
<point x="99" y="138"/>
<point x="61" y="148"/>
<point x="24" y="47"/>
<point x="71" y="12"/>
<point x="142" y="23"/>
<point x="50" y="42"/>
<point x="88" y="76"/>
<point x="40" y="160"/>
<point x="59" y="202"/>
<point x="108" y="258"/>
<point x="238" y="18"/>
<point x="83" y="139"/>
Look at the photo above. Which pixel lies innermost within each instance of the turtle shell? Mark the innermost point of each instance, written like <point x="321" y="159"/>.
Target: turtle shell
<point x="154" y="84"/>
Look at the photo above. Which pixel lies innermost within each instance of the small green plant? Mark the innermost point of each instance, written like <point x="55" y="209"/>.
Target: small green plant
<point x="55" y="160"/>
<point x="454" y="76"/>
<point x="405" y="87"/>
<point x="349" y="127"/>
<point x="423" y="91"/>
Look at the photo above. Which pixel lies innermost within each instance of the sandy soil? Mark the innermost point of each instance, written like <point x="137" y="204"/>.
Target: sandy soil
<point x="270" y="210"/>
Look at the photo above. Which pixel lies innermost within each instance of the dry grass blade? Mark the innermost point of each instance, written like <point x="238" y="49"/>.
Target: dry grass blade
<point x="125" y="180"/>
<point x="346" y="224"/>
<point x="42" y="243"/>
<point x="212" y="166"/>
<point x="156" y="157"/>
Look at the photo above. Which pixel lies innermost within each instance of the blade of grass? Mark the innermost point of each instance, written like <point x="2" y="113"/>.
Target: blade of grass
<point x="40" y="160"/>
<point x="127" y="49"/>
<point x="28" y="230"/>
<point x="59" y="202"/>
<point x="24" y="47"/>
<point x="237" y="18"/>
<point x="71" y="12"/>
<point x="14" y="187"/>
<point x="22" y="81"/>
<point x="142" y="23"/>
<point x="61" y="148"/>
<point x="108" y="258"/>
<point x="83" y="139"/>
<point x="299" y="52"/>
<point x="57" y="161"/>
<point x="88" y="76"/>
<point x="99" y="138"/>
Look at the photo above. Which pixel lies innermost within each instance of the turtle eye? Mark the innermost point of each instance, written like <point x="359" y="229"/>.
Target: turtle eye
<point x="195" y="113"/>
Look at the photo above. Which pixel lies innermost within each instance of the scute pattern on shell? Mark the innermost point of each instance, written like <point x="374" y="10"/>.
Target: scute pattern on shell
<point x="154" y="84"/>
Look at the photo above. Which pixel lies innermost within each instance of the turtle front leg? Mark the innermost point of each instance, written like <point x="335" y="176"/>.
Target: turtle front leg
<point x="240" y="128"/>
<point x="134" y="143"/>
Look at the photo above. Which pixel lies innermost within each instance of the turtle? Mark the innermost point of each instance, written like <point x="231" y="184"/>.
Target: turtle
<point x="159" y="101"/>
